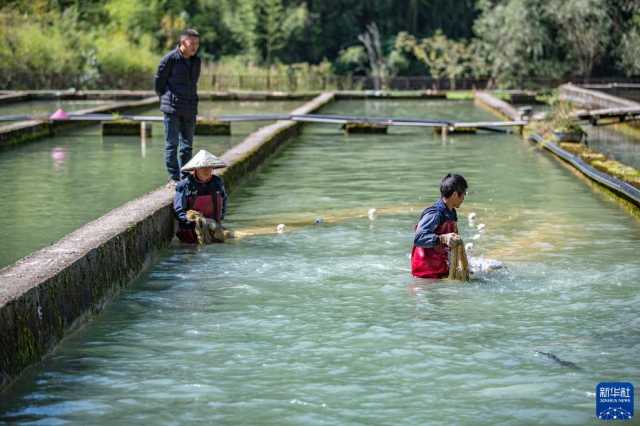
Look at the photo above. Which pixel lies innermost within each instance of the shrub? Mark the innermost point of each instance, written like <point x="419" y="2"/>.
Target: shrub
<point x="122" y="63"/>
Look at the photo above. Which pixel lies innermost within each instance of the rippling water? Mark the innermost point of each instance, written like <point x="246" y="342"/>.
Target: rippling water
<point x="324" y="325"/>
<point x="55" y="185"/>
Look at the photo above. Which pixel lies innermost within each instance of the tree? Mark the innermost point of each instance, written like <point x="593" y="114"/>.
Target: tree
<point x="584" y="27"/>
<point x="441" y="56"/>
<point x="518" y="37"/>
<point x="371" y="41"/>
<point x="630" y="49"/>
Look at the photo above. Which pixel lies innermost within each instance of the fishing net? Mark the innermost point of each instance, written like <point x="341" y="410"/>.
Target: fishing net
<point x="458" y="262"/>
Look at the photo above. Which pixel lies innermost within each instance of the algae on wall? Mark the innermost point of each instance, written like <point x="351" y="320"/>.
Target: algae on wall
<point x="600" y="161"/>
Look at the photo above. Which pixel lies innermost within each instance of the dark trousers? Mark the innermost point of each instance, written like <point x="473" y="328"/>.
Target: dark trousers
<point x="178" y="137"/>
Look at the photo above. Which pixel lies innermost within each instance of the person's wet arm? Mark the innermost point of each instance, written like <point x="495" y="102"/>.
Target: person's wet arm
<point x="426" y="230"/>
<point x="180" y="203"/>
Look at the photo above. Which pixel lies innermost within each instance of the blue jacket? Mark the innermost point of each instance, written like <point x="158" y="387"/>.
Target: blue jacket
<point x="431" y="218"/>
<point x="176" y="82"/>
<point x="189" y="188"/>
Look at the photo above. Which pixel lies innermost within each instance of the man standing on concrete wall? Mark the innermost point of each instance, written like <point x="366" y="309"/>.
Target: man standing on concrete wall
<point x="176" y="82"/>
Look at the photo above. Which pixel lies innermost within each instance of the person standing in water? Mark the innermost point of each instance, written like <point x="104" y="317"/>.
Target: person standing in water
<point x="200" y="190"/>
<point x="176" y="82"/>
<point x="436" y="230"/>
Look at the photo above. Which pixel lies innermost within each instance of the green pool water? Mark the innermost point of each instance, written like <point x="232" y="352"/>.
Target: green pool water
<point x="55" y="185"/>
<point x="213" y="109"/>
<point x="616" y="145"/>
<point x="324" y="325"/>
<point x="47" y="107"/>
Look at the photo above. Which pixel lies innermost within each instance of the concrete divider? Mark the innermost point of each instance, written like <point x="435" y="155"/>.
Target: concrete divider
<point x="496" y="105"/>
<point x="593" y="99"/>
<point x="18" y="133"/>
<point x="404" y="95"/>
<point x="629" y="91"/>
<point x="204" y="95"/>
<point x="233" y="95"/>
<point x="50" y="292"/>
<point x="13" y="98"/>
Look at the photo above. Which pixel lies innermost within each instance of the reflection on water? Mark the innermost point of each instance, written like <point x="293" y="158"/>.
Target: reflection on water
<point x="322" y="324"/>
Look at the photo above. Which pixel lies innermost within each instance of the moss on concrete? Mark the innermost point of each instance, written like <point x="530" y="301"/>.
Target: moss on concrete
<point x="572" y="147"/>
<point x="364" y="128"/>
<point x="619" y="170"/>
<point x="463" y="130"/>
<point x="591" y="156"/>
<point x="212" y="127"/>
<point x="600" y="162"/>
<point x="125" y="128"/>
<point x="17" y="134"/>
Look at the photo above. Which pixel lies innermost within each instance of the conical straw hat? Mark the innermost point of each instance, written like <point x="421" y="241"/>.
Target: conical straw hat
<point x="203" y="159"/>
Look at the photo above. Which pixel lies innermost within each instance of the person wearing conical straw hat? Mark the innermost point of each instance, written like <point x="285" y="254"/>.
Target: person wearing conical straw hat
<point x="200" y="190"/>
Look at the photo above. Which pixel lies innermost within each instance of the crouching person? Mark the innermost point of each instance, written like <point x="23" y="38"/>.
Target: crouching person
<point x="201" y="201"/>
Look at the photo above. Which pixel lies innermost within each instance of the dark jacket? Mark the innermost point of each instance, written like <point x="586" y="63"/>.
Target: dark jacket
<point x="176" y="82"/>
<point x="189" y="188"/>
<point x="431" y="218"/>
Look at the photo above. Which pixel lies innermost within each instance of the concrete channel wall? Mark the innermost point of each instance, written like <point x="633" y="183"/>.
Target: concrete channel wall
<point x="629" y="91"/>
<point x="373" y="94"/>
<point x="50" y="292"/>
<point x="593" y="99"/>
<point x="503" y="109"/>
<point x="10" y="98"/>
<point x="215" y="95"/>
<point x="114" y="95"/>
<point x="18" y="133"/>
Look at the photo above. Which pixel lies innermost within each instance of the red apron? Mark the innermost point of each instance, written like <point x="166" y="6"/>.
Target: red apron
<point x="433" y="262"/>
<point x="209" y="208"/>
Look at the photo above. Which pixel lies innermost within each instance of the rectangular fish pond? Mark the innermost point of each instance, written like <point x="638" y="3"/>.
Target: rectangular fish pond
<point x="323" y="324"/>
<point x="57" y="184"/>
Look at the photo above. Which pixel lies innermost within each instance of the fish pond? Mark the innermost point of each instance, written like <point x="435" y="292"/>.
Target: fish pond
<point x="57" y="184"/>
<point x="323" y="324"/>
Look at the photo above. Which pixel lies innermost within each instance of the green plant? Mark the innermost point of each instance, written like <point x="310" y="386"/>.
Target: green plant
<point x="561" y="118"/>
